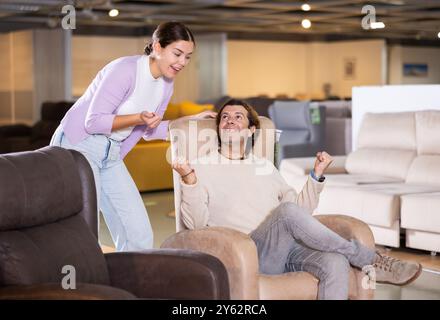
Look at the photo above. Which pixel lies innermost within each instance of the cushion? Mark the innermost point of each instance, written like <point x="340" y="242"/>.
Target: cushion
<point x="428" y="132"/>
<point x="48" y="183"/>
<point x="425" y="169"/>
<point x="420" y="212"/>
<point x="290" y="115"/>
<point x="290" y="137"/>
<point x="377" y="204"/>
<point x="388" y="131"/>
<point x="189" y="108"/>
<point x="391" y="163"/>
<point x="172" y="112"/>
<point x="37" y="255"/>
<point x="357" y="179"/>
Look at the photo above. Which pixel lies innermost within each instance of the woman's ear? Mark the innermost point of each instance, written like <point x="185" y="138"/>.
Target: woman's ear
<point x="157" y="48"/>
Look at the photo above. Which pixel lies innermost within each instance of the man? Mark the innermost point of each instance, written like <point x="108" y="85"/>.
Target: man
<point x="228" y="188"/>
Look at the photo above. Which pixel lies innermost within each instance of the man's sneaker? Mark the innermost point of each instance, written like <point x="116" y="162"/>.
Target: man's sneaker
<point x="395" y="271"/>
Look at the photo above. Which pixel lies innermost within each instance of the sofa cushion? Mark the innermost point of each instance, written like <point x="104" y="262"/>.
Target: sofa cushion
<point x="388" y="131"/>
<point x="302" y="166"/>
<point x="357" y="179"/>
<point x="172" y="112"/>
<point x="391" y="163"/>
<point x="428" y="132"/>
<point x="425" y="170"/>
<point x="291" y="137"/>
<point x="421" y="212"/>
<point x="289" y="115"/>
<point x="377" y="204"/>
<point x="190" y="108"/>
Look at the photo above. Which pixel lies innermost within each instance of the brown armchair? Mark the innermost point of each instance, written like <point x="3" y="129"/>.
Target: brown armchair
<point x="48" y="220"/>
<point x="235" y="249"/>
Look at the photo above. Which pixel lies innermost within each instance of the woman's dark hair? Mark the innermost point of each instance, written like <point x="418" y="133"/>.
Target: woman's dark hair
<point x="167" y="33"/>
<point x="252" y="116"/>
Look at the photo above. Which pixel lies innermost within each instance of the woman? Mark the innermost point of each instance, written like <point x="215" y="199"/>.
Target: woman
<point x="125" y="102"/>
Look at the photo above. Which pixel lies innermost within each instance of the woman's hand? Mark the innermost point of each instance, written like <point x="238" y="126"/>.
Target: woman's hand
<point x="323" y="161"/>
<point x="150" y="119"/>
<point x="204" y="115"/>
<point x="183" y="168"/>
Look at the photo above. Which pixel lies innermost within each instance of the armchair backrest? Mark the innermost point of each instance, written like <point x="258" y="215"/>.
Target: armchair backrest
<point x="48" y="218"/>
<point x="194" y="139"/>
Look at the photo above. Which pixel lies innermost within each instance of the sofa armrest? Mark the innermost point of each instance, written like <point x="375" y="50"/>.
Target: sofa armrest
<point x="168" y="274"/>
<point x="15" y="130"/>
<point x="235" y="250"/>
<point x="54" y="291"/>
<point x="303" y="166"/>
<point x="349" y="228"/>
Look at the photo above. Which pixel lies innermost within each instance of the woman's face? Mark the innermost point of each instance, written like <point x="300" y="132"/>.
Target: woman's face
<point x="173" y="58"/>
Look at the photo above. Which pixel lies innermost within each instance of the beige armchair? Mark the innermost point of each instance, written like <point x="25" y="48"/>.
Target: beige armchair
<point x="235" y="249"/>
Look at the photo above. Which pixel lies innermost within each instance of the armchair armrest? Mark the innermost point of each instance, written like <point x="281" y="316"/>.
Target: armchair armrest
<point x="168" y="274"/>
<point x="83" y="291"/>
<point x="235" y="250"/>
<point x="352" y="228"/>
<point x="349" y="228"/>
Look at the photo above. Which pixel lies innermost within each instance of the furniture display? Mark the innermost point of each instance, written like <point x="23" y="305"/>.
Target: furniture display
<point x="237" y="251"/>
<point x="49" y="240"/>
<point x="391" y="181"/>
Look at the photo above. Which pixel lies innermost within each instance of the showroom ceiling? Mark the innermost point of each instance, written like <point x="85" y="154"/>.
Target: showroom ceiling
<point x="404" y="20"/>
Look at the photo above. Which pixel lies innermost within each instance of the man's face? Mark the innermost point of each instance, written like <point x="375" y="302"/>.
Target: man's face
<point x="234" y="124"/>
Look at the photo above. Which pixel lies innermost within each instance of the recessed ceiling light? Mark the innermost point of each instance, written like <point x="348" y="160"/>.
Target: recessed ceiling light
<point x="305" y="7"/>
<point x="113" y="13"/>
<point x="377" y="25"/>
<point x="306" y="23"/>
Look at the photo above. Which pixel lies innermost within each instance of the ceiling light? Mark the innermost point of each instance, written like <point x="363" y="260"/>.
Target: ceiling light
<point x="305" y="7"/>
<point x="306" y="24"/>
<point x="438" y="34"/>
<point x="113" y="13"/>
<point x="377" y="25"/>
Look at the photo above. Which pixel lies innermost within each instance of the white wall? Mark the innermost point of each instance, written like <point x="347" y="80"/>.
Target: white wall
<point x="395" y="98"/>
<point x="202" y="78"/>
<point x="16" y="77"/>
<point x="301" y="69"/>
<point x="400" y="55"/>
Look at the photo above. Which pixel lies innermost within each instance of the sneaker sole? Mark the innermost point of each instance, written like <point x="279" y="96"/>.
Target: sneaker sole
<point x="416" y="275"/>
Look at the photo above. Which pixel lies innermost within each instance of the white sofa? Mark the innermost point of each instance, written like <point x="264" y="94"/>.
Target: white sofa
<point x="391" y="181"/>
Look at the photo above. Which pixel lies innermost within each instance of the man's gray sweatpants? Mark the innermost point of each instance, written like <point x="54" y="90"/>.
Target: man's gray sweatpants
<point x="291" y="239"/>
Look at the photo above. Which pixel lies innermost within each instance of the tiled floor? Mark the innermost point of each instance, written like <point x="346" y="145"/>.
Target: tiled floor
<point x="427" y="286"/>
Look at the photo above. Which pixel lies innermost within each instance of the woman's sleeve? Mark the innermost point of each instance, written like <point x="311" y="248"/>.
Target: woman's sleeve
<point x="161" y="131"/>
<point x="116" y="81"/>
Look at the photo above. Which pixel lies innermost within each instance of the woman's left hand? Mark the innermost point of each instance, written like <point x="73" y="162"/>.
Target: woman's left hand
<point x="205" y="115"/>
<point x="323" y="161"/>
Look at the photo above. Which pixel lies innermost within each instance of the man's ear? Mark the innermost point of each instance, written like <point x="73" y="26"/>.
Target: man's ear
<point x="252" y="129"/>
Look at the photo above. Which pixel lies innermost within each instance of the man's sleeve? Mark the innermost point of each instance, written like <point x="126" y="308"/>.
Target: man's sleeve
<point x="194" y="205"/>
